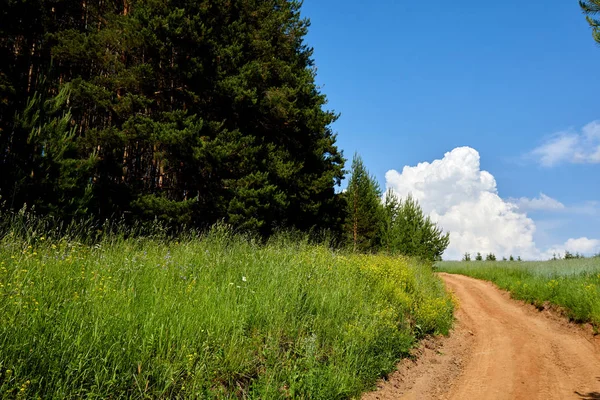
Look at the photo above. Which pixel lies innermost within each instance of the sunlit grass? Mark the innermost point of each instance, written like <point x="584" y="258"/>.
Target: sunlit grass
<point x="572" y="284"/>
<point x="215" y="316"/>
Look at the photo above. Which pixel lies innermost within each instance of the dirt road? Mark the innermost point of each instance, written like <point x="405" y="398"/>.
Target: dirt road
<point x="500" y="349"/>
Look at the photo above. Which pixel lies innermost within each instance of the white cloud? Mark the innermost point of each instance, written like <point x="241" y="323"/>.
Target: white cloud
<point x="582" y="245"/>
<point x="541" y="203"/>
<point x="571" y="147"/>
<point x="464" y="201"/>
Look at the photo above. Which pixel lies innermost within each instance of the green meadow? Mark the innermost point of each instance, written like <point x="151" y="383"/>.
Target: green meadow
<point x="206" y="316"/>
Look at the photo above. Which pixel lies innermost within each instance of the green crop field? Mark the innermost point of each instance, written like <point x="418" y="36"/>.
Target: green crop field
<point x="206" y="316"/>
<point x="571" y="284"/>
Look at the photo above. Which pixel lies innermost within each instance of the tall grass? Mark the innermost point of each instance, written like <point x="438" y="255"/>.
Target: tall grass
<point x="212" y="316"/>
<point x="571" y="284"/>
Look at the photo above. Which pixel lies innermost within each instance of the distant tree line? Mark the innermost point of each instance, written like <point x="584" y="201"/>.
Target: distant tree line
<point x="492" y="257"/>
<point x="488" y="257"/>
<point x="570" y="256"/>
<point x="190" y="112"/>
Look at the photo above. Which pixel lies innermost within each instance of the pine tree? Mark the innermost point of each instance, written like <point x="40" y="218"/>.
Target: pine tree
<point x="417" y="235"/>
<point x="192" y="111"/>
<point x="406" y="230"/>
<point x="592" y="8"/>
<point x="364" y="209"/>
<point x="22" y="29"/>
<point x="391" y="210"/>
<point x="52" y="175"/>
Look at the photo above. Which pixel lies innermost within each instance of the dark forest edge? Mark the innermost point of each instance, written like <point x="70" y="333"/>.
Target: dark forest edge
<point x="190" y="112"/>
<point x="187" y="113"/>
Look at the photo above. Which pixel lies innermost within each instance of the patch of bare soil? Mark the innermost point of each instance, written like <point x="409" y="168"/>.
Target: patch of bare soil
<point x="500" y="349"/>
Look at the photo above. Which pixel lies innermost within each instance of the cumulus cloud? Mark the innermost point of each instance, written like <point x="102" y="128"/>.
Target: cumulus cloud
<point x="571" y="147"/>
<point x="464" y="201"/>
<point x="543" y="202"/>
<point x="583" y="245"/>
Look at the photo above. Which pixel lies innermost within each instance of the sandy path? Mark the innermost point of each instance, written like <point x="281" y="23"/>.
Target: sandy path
<point x="512" y="351"/>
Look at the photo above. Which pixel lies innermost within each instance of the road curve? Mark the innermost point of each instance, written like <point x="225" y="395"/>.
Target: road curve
<point x="505" y="350"/>
<point x="520" y="354"/>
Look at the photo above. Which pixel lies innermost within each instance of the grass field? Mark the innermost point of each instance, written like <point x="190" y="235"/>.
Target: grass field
<point x="205" y="317"/>
<point x="572" y="284"/>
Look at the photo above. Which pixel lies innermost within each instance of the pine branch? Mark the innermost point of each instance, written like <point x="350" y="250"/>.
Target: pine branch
<point x="590" y="6"/>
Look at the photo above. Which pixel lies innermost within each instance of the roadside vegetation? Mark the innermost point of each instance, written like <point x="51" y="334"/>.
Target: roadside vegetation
<point x="573" y="284"/>
<point x="203" y="316"/>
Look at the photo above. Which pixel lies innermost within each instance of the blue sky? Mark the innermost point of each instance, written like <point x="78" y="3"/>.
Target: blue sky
<point x="415" y="80"/>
